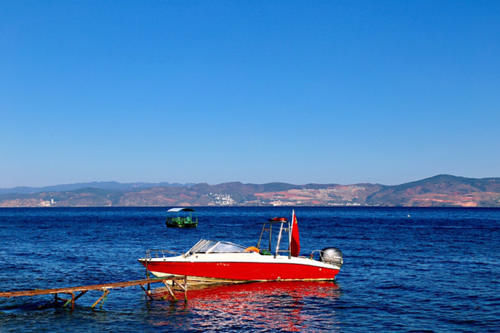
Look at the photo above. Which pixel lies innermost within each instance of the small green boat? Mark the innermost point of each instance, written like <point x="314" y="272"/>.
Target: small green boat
<point x="183" y="220"/>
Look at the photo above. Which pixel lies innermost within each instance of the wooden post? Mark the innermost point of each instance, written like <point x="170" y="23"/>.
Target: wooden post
<point x="147" y="273"/>
<point x="165" y="282"/>
<point x="148" y="293"/>
<point x="80" y="294"/>
<point x="181" y="286"/>
<point x="104" y="294"/>
<point x="69" y="300"/>
<point x="185" y="289"/>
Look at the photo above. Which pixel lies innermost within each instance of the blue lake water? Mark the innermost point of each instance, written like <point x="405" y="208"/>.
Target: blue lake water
<point x="405" y="269"/>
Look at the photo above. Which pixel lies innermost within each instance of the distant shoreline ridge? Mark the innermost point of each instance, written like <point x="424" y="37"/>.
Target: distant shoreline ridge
<point x="436" y="191"/>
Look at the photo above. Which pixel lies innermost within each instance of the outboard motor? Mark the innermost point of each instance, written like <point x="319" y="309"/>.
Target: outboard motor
<point x="332" y="255"/>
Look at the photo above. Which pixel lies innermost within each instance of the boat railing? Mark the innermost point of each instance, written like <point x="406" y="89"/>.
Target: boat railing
<point x="315" y="252"/>
<point x="284" y="251"/>
<point x="159" y="253"/>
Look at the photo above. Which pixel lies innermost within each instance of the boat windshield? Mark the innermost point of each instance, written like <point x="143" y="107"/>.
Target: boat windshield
<point x="209" y="246"/>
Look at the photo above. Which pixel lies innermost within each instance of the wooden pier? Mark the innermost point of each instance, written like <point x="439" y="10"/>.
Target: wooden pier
<point x="172" y="283"/>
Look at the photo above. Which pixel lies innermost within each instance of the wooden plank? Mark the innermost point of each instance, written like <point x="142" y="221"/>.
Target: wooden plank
<point x="104" y="294"/>
<point x="70" y="290"/>
<point x="81" y="294"/>
<point x="170" y="291"/>
<point x="176" y="283"/>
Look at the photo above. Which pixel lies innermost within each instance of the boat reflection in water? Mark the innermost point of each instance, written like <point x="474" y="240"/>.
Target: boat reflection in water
<point x="288" y="306"/>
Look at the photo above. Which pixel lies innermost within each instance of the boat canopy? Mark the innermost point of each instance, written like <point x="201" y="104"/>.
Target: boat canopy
<point x="210" y="246"/>
<point x="180" y="209"/>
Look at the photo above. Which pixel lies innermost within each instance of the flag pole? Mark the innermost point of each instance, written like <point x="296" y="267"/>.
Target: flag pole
<point x="290" y="228"/>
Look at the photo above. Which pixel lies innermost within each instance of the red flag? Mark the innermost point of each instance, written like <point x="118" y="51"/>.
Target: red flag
<point x="295" y="243"/>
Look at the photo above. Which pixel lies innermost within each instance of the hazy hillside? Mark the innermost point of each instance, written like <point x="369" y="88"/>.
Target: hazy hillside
<point x="441" y="190"/>
<point x="78" y="186"/>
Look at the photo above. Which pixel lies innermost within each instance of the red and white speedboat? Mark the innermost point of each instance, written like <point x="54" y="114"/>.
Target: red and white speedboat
<point x="211" y="260"/>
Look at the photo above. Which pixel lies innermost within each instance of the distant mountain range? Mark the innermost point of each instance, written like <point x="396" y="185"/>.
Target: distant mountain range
<point x="441" y="190"/>
<point x="78" y="186"/>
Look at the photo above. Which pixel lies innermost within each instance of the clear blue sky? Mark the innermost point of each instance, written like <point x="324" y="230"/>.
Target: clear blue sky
<point x="253" y="91"/>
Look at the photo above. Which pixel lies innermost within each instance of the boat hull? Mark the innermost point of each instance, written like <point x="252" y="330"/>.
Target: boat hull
<point x="185" y="225"/>
<point x="244" y="270"/>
